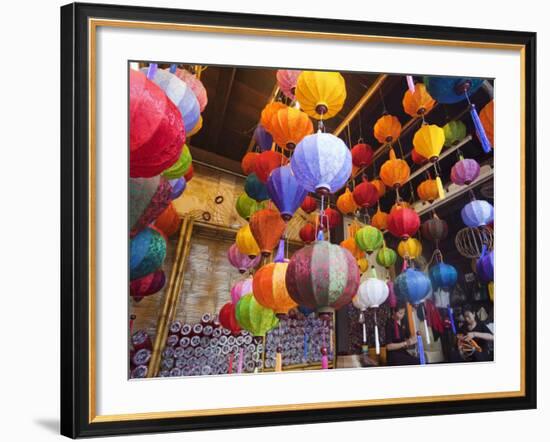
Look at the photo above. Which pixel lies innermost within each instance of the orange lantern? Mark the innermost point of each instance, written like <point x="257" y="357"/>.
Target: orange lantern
<point x="269" y="288"/>
<point x="354" y="227"/>
<point x="401" y="205"/>
<point x="394" y="172"/>
<point x="380" y="186"/>
<point x="267" y="113"/>
<point x="387" y="129"/>
<point x="419" y="102"/>
<point x="267" y="227"/>
<point x="486" y="116"/>
<point x="379" y="220"/>
<point x="345" y="203"/>
<point x="266" y="162"/>
<point x="427" y="190"/>
<point x="289" y="126"/>
<point x="168" y="221"/>
<point x="248" y="163"/>
<point x="352" y="247"/>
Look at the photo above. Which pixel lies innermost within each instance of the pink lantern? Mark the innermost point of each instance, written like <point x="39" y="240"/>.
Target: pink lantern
<point x="241" y="261"/>
<point x="241" y="288"/>
<point x="196" y="86"/>
<point x="465" y="171"/>
<point x="287" y="79"/>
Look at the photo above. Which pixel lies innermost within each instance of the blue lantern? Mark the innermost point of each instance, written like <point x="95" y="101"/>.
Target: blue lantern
<point x="255" y="189"/>
<point x="477" y="213"/>
<point x="450" y="90"/>
<point x="285" y="191"/>
<point x="178" y="186"/>
<point x="485" y="266"/>
<point x="321" y="163"/>
<point x="412" y="285"/>
<point x="147" y="253"/>
<point x="443" y="276"/>
<point x="263" y="138"/>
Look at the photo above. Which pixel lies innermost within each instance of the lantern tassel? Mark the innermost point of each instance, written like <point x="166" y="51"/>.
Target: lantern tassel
<point x="452" y="319"/>
<point x="173" y="68"/>
<point x="278" y="361"/>
<point x="230" y="369"/>
<point x="376" y="339"/>
<point x="485" y="143"/>
<point x="421" y="354"/>
<point x="152" y="71"/>
<point x="364" y="332"/>
<point x="412" y="328"/>
<point x="240" y="363"/>
<point x="410" y="83"/>
<point x="426" y="326"/>
<point x="324" y="362"/>
<point x="280" y="256"/>
<point x="440" y="189"/>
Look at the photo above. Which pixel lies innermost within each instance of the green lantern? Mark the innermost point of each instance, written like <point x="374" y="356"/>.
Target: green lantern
<point x="386" y="257"/>
<point x="369" y="238"/>
<point x="246" y="206"/>
<point x="253" y="317"/>
<point x="455" y="131"/>
<point x="181" y="166"/>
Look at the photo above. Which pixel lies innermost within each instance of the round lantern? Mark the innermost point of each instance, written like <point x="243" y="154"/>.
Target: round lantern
<point x="321" y="163"/>
<point x="255" y="189"/>
<point x="386" y="257"/>
<point x="189" y="175"/>
<point x="268" y="112"/>
<point x="147" y="253"/>
<point x="267" y="227"/>
<point x="285" y="191"/>
<point x="147" y="285"/>
<point x="486" y="117"/>
<point x="443" y="276"/>
<point x="263" y="138"/>
<point x="345" y="203"/>
<point x="241" y="288"/>
<point x="157" y="133"/>
<point x="417" y="158"/>
<point x="322" y="276"/>
<point x="266" y="162"/>
<point x="331" y="217"/>
<point x="227" y="318"/>
<point x="196" y="86"/>
<point x="181" y="166"/>
<point x="246" y="243"/>
<point x="309" y="204"/>
<point x="450" y="90"/>
<point x="428" y="141"/>
<point x="380" y="186"/>
<point x="241" y="261"/>
<point x="477" y="213"/>
<point x="365" y="194"/>
<point x="387" y="129"/>
<point x="351" y="246"/>
<point x="246" y="206"/>
<point x="287" y="79"/>
<point x="369" y="239"/>
<point x="427" y="190"/>
<point x="403" y="222"/>
<point x="409" y="248"/>
<point x="149" y="197"/>
<point x="177" y="187"/>
<point x="307" y="233"/>
<point x="418" y="102"/>
<point x="168" y="222"/>
<point x="253" y="317"/>
<point x="248" y="163"/>
<point x="465" y="171"/>
<point x="358" y="304"/>
<point x="363" y="264"/>
<point x="470" y="241"/>
<point x="412" y="285"/>
<point x="485" y="266"/>
<point x="321" y="94"/>
<point x="395" y="172"/>
<point x="270" y="290"/>
<point x="361" y="155"/>
<point x="435" y="229"/>
<point x="372" y="292"/>
<point x="197" y="127"/>
<point x="379" y="220"/>
<point x="455" y="131"/>
<point x="289" y="126"/>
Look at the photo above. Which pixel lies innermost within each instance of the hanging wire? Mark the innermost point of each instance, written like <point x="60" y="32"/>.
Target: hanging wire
<point x="360" y="128"/>
<point x="384" y="110"/>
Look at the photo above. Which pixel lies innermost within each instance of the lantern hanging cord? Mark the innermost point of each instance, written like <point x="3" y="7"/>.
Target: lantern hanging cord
<point x="384" y="110"/>
<point x="360" y="128"/>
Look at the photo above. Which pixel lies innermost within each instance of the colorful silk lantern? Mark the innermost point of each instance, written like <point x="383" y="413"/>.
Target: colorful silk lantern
<point x="455" y="131"/>
<point x="267" y="113"/>
<point x="241" y="261"/>
<point x="269" y="288"/>
<point x="486" y="115"/>
<point x="177" y="185"/>
<point x="350" y="245"/>
<point x="309" y="204"/>
<point x="147" y="285"/>
<point x="157" y="133"/>
<point x="246" y="243"/>
<point x="418" y="102"/>
<point x="409" y="248"/>
<point x="285" y="191"/>
<point x="412" y="285"/>
<point x="197" y="127"/>
<point x="228" y="319"/>
<point x="361" y="155"/>
<point x="147" y="252"/>
<point x="387" y="129"/>
<point x="428" y="141"/>
<point x="345" y="203"/>
<point x="255" y="189"/>
<point x="434" y="229"/>
<point x="485" y="266"/>
<point x="149" y="197"/>
<point x="321" y="94"/>
<point x="369" y="239"/>
<point x="427" y="190"/>
<point x="263" y="138"/>
<point x="443" y="276"/>
<point x="450" y="90"/>
<point x="248" y="163"/>
<point x="267" y="227"/>
<point x="266" y="162"/>
<point x="246" y="206"/>
<point x="189" y="175"/>
<point x="322" y="276"/>
<point x="253" y="317"/>
<point x="380" y="186"/>
<point x="196" y="86"/>
<point x="477" y="213"/>
<point x="331" y="218"/>
<point x="308" y="233"/>
<point x="289" y="126"/>
<point x="365" y="194"/>
<point x="168" y="222"/>
<point x="321" y="163"/>
<point x="394" y="172"/>
<point x="379" y="220"/>
<point x="417" y="158"/>
<point x="241" y="288"/>
<point x="403" y="222"/>
<point x="386" y="257"/>
<point x="465" y="171"/>
<point x="287" y="79"/>
<point x="181" y="166"/>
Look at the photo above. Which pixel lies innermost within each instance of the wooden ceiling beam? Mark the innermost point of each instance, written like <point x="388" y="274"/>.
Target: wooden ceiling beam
<point x="225" y="84"/>
<point x="271" y="99"/>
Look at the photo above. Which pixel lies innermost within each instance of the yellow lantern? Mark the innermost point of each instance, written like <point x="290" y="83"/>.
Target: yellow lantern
<point x="395" y="172"/>
<point x="387" y="129"/>
<point x="380" y="186"/>
<point x="427" y="190"/>
<point x="428" y="142"/>
<point x="345" y="203"/>
<point x="410" y="248"/>
<point x="246" y="243"/>
<point x="363" y="264"/>
<point x="268" y="112"/>
<point x="321" y="94"/>
<point x="419" y="102"/>
<point x="289" y="126"/>
<point x="379" y="220"/>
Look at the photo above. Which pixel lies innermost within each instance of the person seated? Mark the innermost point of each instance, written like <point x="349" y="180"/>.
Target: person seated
<point x="473" y="338"/>
<point x="398" y="339"/>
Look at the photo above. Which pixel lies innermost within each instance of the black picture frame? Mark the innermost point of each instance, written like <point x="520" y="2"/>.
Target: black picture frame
<point x="75" y="219"/>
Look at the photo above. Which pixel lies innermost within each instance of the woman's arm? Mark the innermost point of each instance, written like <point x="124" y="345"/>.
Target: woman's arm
<point x="396" y="345"/>
<point x="481" y="335"/>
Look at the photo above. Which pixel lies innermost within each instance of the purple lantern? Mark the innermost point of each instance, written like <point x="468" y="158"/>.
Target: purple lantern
<point x="263" y="138"/>
<point x="178" y="186"/>
<point x="241" y="261"/>
<point x="464" y="171"/>
<point x="485" y="266"/>
<point x="285" y="191"/>
<point x="241" y="288"/>
<point x="477" y="213"/>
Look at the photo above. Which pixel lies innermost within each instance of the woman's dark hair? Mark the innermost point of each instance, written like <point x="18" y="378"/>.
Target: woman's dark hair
<point x="400" y="305"/>
<point x="468" y="308"/>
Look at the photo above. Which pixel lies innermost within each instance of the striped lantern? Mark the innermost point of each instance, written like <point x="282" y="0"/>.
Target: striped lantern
<point x="285" y="191"/>
<point x="403" y="222"/>
<point x="427" y="190"/>
<point x="418" y="102"/>
<point x="269" y="288"/>
<point x="386" y="257"/>
<point x="307" y="233"/>
<point x="253" y="317"/>
<point x="289" y="126"/>
<point x="369" y="238"/>
<point x="321" y="94"/>
<point x="345" y="203"/>
<point x="409" y="248"/>
<point x="248" y="163"/>
<point x="365" y="194"/>
<point x="196" y="86"/>
<point x="181" y="166"/>
<point x="455" y="131"/>
<point x="247" y="206"/>
<point x="435" y="229"/>
<point x="387" y="129"/>
<point x="379" y="220"/>
<point x="309" y="204"/>
<point x="361" y="155"/>
<point x="246" y="243"/>
<point x="451" y="90"/>
<point x="168" y="222"/>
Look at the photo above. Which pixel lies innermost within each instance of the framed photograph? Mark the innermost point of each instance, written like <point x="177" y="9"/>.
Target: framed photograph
<point x="274" y="220"/>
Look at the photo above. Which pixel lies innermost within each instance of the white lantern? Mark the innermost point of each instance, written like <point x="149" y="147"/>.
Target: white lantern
<point x="372" y="293"/>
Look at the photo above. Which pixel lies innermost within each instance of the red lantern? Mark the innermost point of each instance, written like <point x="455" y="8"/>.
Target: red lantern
<point x="248" y="163"/>
<point x="308" y="233"/>
<point x="333" y="217"/>
<point x="227" y="318"/>
<point x="361" y="155"/>
<point x="266" y="162"/>
<point x="403" y="222"/>
<point x="365" y="194"/>
<point x="309" y="204"/>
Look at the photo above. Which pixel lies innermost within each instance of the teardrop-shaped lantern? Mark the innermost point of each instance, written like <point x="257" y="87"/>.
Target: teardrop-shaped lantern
<point x="253" y="317"/>
<point x="403" y="222"/>
<point x="285" y="191"/>
<point x="485" y="266"/>
<point x="321" y="163"/>
<point x="345" y="203"/>
<point x="369" y="239"/>
<point x="332" y="218"/>
<point x="267" y="227"/>
<point x="450" y="90"/>
<point x="427" y="190"/>
<point x="419" y="102"/>
<point x="477" y="213"/>
<point x="241" y="261"/>
<point x="361" y="155"/>
<point x="241" y="288"/>
<point x="409" y="248"/>
<point x="379" y="220"/>
<point x="321" y="94"/>
<point x="287" y="79"/>
<point x="386" y="257"/>
<point x="263" y="138"/>
<point x="322" y="276"/>
<point x="443" y="276"/>
<point x="255" y="189"/>
<point x="267" y="113"/>
<point x="289" y="126"/>
<point x="412" y="285"/>
<point x="246" y="206"/>
<point x="380" y="186"/>
<point x="455" y="131"/>
<point x="269" y="288"/>
<point x="435" y="229"/>
<point x="248" y="163"/>
<point x="465" y="171"/>
<point x="246" y="243"/>
<point x="365" y="194"/>
<point x="308" y="233"/>
<point x="147" y="252"/>
<point x="387" y="129"/>
<point x="228" y="319"/>
<point x="486" y="116"/>
<point x="395" y="172"/>
<point x="168" y="221"/>
<point x="428" y="141"/>
<point x="196" y="86"/>
<point x="181" y="166"/>
<point x="309" y="204"/>
<point x="266" y="162"/>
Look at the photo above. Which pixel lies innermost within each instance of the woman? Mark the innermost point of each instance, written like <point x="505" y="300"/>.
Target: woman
<point x="398" y="339"/>
<point x="474" y="339"/>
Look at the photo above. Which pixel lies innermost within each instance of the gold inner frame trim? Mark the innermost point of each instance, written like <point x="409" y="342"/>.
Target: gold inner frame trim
<point x="93" y="24"/>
